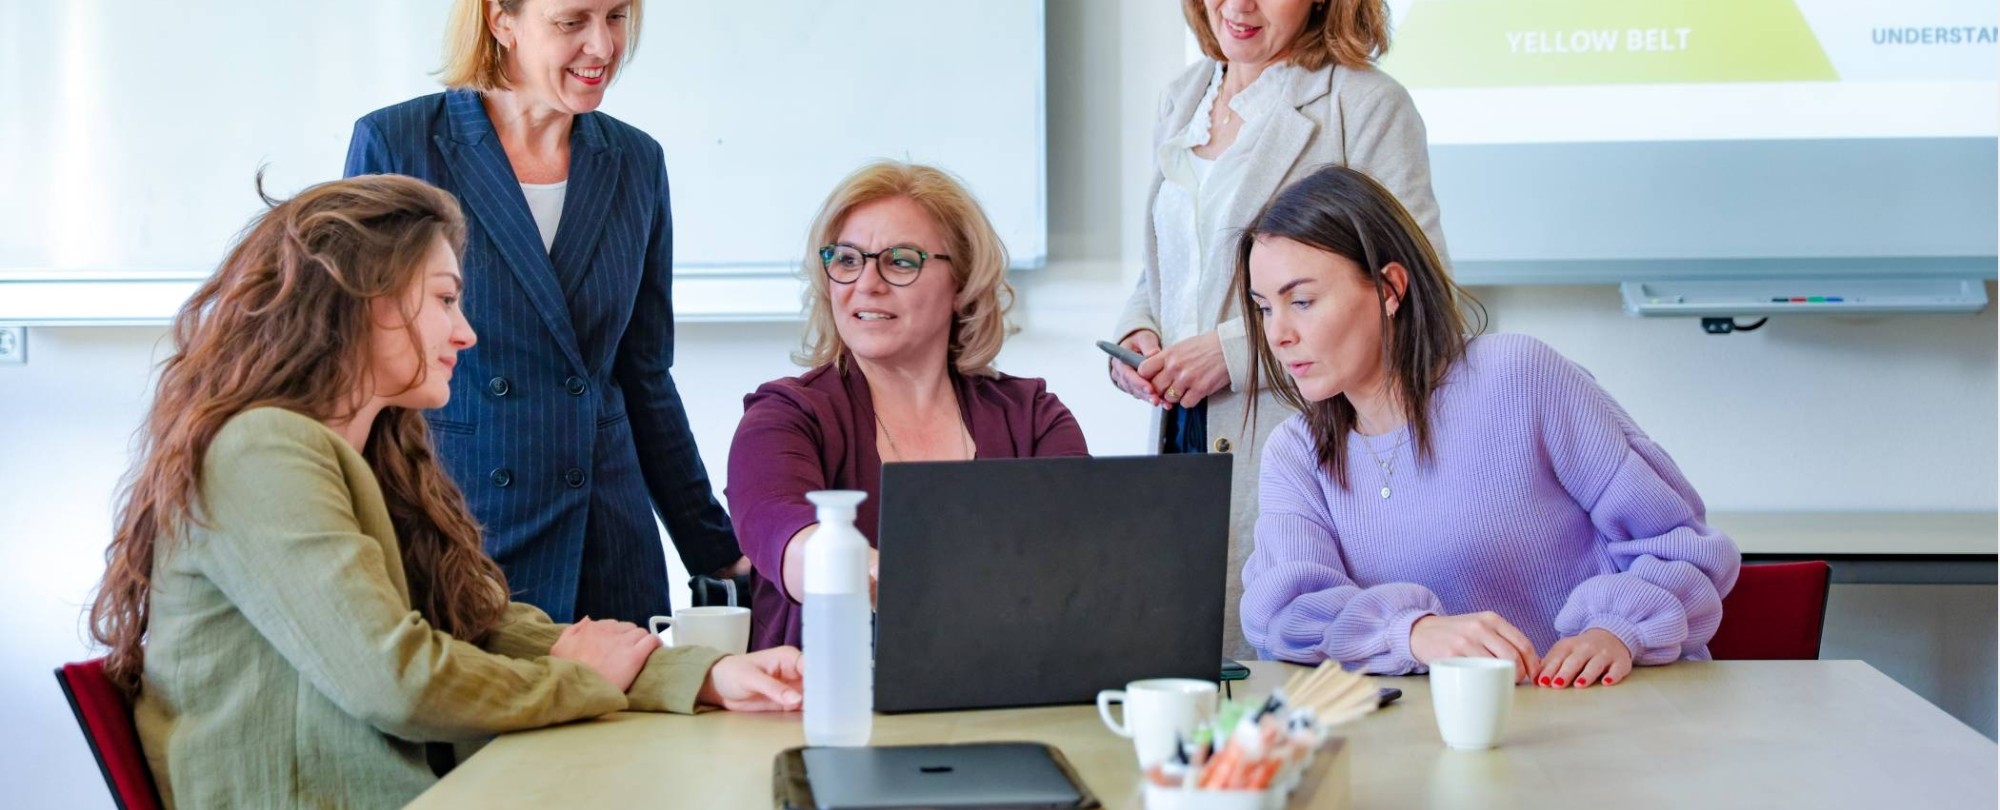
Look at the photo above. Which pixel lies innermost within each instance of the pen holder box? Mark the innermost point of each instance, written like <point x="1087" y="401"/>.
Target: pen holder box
<point x="1320" y="785"/>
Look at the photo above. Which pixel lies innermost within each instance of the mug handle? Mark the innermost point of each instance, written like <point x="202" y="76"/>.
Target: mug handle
<point x="1104" y="701"/>
<point x="657" y="623"/>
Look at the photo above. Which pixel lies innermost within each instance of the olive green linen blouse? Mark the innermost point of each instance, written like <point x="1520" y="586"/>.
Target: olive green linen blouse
<point x="285" y="666"/>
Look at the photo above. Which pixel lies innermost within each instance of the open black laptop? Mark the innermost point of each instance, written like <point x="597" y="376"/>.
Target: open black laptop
<point x="1023" y="582"/>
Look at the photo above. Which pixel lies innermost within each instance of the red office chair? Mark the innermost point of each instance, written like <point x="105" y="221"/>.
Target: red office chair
<point x="1775" y="613"/>
<point x="106" y="719"/>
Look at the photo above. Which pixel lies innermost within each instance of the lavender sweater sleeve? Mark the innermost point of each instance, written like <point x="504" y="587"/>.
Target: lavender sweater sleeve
<point x="1543" y="503"/>
<point x="1299" y="603"/>
<point x="1665" y="600"/>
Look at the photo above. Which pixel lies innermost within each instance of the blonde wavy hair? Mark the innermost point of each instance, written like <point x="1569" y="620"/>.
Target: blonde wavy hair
<point x="978" y="262"/>
<point x="474" y="59"/>
<point x="1353" y="33"/>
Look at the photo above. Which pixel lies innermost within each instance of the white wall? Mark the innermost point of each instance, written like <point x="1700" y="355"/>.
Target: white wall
<point x="1893" y="413"/>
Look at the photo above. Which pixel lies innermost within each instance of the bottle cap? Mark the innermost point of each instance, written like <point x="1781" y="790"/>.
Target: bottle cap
<point x="837" y="501"/>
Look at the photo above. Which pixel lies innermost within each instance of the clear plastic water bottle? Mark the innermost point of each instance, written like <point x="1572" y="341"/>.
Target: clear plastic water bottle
<point x="838" y="623"/>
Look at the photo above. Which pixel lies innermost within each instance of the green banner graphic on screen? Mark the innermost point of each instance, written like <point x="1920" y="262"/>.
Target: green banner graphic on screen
<point x="1527" y="43"/>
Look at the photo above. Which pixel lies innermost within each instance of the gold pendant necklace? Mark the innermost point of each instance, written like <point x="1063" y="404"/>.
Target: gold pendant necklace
<point x="965" y="439"/>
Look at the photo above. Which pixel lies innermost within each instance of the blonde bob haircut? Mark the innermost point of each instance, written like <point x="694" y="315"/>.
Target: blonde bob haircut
<point x="978" y="263"/>
<point x="474" y="59"/>
<point x="1353" y="33"/>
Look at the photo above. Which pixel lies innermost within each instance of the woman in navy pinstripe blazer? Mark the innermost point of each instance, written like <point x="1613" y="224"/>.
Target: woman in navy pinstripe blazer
<point x="565" y="429"/>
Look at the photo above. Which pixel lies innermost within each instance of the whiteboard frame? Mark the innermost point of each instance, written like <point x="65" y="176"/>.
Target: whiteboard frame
<point x="152" y="297"/>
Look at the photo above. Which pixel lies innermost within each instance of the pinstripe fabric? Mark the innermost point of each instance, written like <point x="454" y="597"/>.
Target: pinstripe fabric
<point x="565" y="429"/>
<point x="1544" y="503"/>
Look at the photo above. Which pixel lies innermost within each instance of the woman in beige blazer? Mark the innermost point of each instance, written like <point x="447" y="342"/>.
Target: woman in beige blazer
<point x="1287" y="86"/>
<point x="296" y="591"/>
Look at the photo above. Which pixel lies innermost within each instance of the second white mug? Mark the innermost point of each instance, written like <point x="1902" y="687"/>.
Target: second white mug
<point x="722" y="628"/>
<point x="1473" y="698"/>
<point x="1158" y="711"/>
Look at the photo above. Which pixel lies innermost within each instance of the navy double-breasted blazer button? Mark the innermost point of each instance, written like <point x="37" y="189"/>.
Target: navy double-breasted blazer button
<point x="575" y="385"/>
<point x="499" y="386"/>
<point x="574" y="478"/>
<point x="502" y="477"/>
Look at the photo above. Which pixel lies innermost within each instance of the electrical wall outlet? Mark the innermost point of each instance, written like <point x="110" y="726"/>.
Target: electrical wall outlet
<point x="13" y="345"/>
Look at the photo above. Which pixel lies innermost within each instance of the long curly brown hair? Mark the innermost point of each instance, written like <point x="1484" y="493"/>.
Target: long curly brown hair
<point x="285" y="322"/>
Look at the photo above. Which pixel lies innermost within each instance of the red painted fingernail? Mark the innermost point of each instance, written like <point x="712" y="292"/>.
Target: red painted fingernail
<point x="1582" y="684"/>
<point x="1559" y="681"/>
<point x="1544" y="680"/>
<point x="1610" y="681"/>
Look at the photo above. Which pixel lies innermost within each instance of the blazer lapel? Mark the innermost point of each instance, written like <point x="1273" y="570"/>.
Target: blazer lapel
<point x="1185" y="97"/>
<point x="1277" y="151"/>
<point x="593" y="182"/>
<point x="488" y="187"/>
<point x="1284" y="139"/>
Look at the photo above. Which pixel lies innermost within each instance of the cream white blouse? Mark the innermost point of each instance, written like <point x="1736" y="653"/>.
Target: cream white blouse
<point x="1197" y="190"/>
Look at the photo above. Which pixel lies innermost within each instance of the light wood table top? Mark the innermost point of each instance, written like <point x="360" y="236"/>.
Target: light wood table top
<point x="1751" y="734"/>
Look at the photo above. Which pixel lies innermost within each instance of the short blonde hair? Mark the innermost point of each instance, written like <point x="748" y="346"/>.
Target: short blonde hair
<point x="978" y="262"/>
<point x="1353" y="33"/>
<point x="474" y="59"/>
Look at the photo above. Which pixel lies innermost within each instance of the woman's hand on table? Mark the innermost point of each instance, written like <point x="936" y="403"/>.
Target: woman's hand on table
<point x="1189" y="371"/>
<point x="762" y="681"/>
<point x="614" y="649"/>
<point x="1593" y="656"/>
<point x="874" y="574"/>
<point x="1147" y="344"/>
<point x="1479" y="635"/>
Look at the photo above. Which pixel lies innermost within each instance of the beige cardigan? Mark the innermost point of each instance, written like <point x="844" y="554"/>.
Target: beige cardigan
<point x="285" y="666"/>
<point x="1369" y="124"/>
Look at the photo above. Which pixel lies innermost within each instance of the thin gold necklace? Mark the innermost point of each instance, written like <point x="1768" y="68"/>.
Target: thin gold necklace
<point x="1228" y="112"/>
<point x="965" y="438"/>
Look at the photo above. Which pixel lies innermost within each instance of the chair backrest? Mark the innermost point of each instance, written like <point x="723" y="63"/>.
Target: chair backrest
<point x="1776" y="612"/>
<point x="106" y="719"/>
<point x="707" y="591"/>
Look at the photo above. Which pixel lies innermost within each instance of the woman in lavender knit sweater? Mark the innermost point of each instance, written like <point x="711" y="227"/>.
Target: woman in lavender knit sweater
<point x="1442" y="495"/>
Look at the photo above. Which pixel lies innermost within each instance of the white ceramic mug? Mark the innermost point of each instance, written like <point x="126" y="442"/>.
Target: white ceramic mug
<point x="722" y="628"/>
<point x="1472" y="698"/>
<point x="1157" y="711"/>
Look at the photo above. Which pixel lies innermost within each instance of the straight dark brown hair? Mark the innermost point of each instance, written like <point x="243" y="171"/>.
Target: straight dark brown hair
<point x="1346" y="213"/>
<point x="285" y="322"/>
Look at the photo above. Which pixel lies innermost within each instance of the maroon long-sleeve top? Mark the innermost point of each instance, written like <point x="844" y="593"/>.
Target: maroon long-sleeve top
<point x="817" y="431"/>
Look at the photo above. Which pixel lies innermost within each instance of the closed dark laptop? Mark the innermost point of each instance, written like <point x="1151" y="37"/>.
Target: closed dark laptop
<point x="988" y="775"/>
<point x="1023" y="582"/>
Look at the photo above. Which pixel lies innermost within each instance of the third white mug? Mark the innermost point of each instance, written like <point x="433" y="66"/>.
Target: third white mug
<point x="722" y="628"/>
<point x="1473" y="698"/>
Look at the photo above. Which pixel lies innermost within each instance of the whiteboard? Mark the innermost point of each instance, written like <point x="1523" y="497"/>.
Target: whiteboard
<point x="134" y="128"/>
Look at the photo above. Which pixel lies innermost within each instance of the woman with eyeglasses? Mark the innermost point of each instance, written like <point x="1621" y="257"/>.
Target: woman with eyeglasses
<point x="907" y="308"/>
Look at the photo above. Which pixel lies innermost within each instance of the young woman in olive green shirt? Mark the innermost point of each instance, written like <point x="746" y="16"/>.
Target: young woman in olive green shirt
<point x="296" y="593"/>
